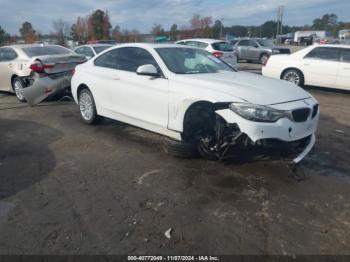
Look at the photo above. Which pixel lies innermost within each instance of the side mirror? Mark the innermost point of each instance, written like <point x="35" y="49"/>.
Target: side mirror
<point x="256" y="46"/>
<point x="147" y="70"/>
<point x="88" y="57"/>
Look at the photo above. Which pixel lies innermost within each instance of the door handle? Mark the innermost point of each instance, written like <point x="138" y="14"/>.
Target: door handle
<point x="306" y="64"/>
<point x="115" y="77"/>
<point x="346" y="68"/>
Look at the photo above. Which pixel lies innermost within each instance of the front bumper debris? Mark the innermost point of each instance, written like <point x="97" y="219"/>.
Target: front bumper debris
<point x="285" y="133"/>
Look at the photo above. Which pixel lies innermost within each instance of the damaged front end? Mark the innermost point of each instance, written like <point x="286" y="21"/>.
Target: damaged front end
<point x="291" y="136"/>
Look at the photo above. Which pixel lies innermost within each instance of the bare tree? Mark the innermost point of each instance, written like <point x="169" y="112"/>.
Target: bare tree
<point x="60" y="30"/>
<point x="157" y="30"/>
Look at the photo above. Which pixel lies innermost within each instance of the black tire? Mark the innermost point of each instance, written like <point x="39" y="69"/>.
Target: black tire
<point x="91" y="118"/>
<point x="17" y="84"/>
<point x="180" y="149"/>
<point x="294" y="76"/>
<point x="263" y="58"/>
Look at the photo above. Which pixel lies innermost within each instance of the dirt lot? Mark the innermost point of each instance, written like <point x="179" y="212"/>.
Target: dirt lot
<point x="68" y="188"/>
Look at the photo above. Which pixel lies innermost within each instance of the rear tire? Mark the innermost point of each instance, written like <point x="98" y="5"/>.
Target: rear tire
<point x="180" y="149"/>
<point x="87" y="107"/>
<point x="294" y="76"/>
<point x="18" y="85"/>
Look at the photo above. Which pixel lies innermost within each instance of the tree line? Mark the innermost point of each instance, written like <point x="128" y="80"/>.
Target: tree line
<point x="97" y="26"/>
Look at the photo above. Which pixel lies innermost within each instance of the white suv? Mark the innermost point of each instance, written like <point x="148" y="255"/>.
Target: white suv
<point x="218" y="48"/>
<point x="199" y="103"/>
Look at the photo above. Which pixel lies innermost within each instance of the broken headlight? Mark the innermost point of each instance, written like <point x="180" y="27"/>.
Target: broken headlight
<point x="257" y="113"/>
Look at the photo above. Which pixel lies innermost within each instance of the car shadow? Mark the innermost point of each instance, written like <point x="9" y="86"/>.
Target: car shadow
<point x="25" y="157"/>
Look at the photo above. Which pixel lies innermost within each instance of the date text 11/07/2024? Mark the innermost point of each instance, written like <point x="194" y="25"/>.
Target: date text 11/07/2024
<point x="173" y="258"/>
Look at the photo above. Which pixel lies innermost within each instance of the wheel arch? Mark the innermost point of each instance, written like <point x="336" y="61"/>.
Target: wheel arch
<point x="80" y="88"/>
<point x="13" y="78"/>
<point x="193" y="110"/>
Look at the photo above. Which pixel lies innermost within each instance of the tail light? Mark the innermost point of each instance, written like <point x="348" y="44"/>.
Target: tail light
<point x="38" y="67"/>
<point x="218" y="54"/>
<point x="264" y="63"/>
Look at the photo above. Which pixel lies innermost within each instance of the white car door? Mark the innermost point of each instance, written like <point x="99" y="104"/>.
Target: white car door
<point x="7" y="55"/>
<point x="343" y="78"/>
<point x="137" y="97"/>
<point x="320" y="66"/>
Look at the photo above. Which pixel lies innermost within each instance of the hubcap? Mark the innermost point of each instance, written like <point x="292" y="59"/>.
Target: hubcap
<point x="292" y="77"/>
<point x="18" y="86"/>
<point x="86" y="106"/>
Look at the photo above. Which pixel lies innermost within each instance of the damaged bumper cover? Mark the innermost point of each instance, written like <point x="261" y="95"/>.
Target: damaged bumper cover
<point x="43" y="87"/>
<point x="285" y="132"/>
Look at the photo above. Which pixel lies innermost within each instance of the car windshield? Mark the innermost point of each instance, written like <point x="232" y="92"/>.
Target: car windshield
<point x="265" y="42"/>
<point x="222" y="46"/>
<point x="99" y="49"/>
<point x="45" y="50"/>
<point x="191" y="61"/>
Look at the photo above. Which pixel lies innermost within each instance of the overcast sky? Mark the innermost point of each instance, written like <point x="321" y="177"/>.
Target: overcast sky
<point x="142" y="14"/>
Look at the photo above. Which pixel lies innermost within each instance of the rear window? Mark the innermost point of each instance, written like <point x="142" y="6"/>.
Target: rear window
<point x="222" y="46"/>
<point x="45" y="50"/>
<point x="99" y="49"/>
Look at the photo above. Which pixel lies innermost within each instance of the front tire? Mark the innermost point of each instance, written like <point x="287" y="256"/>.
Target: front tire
<point x="87" y="107"/>
<point x="294" y="76"/>
<point x="181" y="149"/>
<point x="18" y="85"/>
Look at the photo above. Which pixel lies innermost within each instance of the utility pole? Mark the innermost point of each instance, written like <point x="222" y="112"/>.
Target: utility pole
<point x="280" y="12"/>
<point x="221" y="27"/>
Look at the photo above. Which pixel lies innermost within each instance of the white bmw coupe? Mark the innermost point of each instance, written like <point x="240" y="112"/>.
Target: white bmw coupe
<point x="200" y="103"/>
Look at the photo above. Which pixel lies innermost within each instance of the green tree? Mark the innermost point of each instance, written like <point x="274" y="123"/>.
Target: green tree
<point x="237" y="30"/>
<point x="217" y="27"/>
<point x="99" y="25"/>
<point x="4" y="37"/>
<point x="28" y="33"/>
<point x="173" y="32"/>
<point x="326" y="22"/>
<point x="73" y="32"/>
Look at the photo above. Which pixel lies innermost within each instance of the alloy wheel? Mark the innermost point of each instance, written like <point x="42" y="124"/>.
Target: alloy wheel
<point x="293" y="77"/>
<point x="86" y="106"/>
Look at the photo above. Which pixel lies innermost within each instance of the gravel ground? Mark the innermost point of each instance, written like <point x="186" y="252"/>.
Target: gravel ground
<point x="68" y="188"/>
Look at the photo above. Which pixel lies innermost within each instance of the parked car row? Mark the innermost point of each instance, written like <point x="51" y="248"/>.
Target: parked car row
<point x="200" y="102"/>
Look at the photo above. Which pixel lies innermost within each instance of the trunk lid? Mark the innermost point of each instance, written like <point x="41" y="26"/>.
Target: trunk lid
<point x="53" y="64"/>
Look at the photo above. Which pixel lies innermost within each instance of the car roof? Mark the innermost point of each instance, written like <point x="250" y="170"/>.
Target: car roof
<point x="152" y="45"/>
<point x="20" y="46"/>
<point x="205" y="40"/>
<point x="95" y="45"/>
<point x="334" y="45"/>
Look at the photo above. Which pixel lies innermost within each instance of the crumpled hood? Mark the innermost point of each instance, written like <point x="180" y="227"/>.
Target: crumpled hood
<point x="250" y="87"/>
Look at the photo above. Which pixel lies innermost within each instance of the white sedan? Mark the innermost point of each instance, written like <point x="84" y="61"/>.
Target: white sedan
<point x="218" y="48"/>
<point x="317" y="65"/>
<point x="200" y="103"/>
